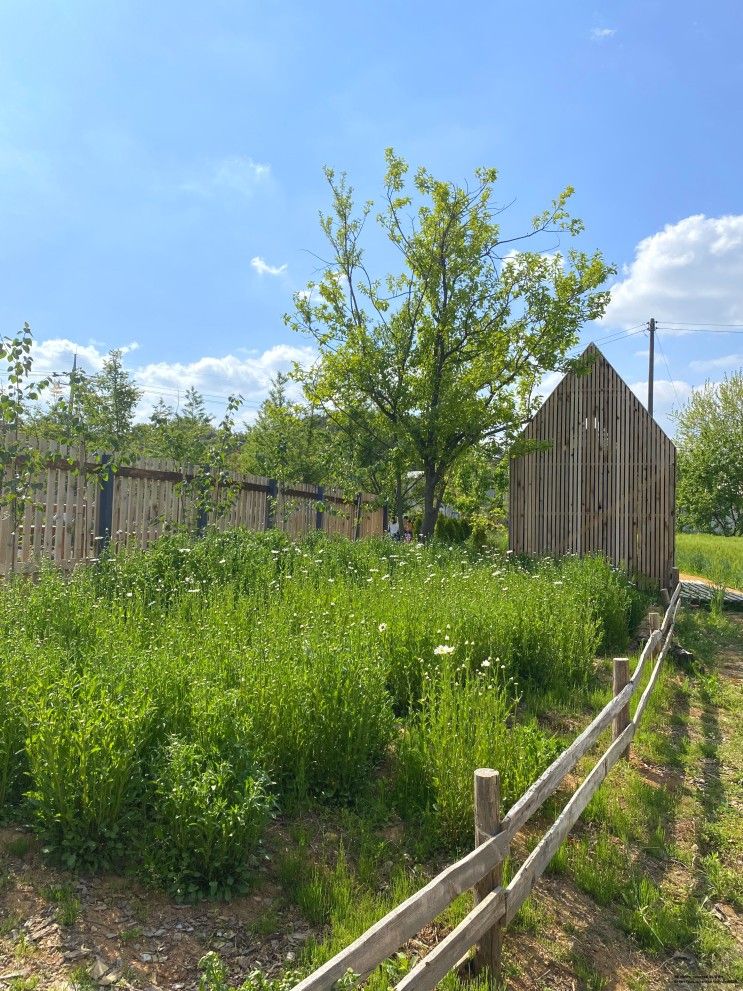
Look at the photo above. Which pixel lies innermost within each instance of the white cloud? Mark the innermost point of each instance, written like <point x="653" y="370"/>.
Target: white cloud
<point x="58" y="353"/>
<point x="216" y="377"/>
<point x="601" y="34"/>
<point x="263" y="268"/>
<point x="668" y="395"/>
<point x="236" y="173"/>
<point x="690" y="272"/>
<point x="249" y="375"/>
<point x="725" y="361"/>
<point x="666" y="392"/>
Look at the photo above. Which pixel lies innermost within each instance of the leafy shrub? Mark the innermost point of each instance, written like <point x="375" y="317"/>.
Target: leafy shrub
<point x="84" y="747"/>
<point x="313" y="660"/>
<point x="452" y="531"/>
<point x="207" y="822"/>
<point x="12" y="739"/>
<point x="465" y="722"/>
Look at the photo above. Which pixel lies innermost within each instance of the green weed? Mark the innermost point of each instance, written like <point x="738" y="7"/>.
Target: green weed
<point x="590" y="978"/>
<point x="9" y="923"/>
<point x="334" y="670"/>
<point x="81" y="980"/>
<point x="207" y="822"/>
<point x="68" y="904"/>
<point x="724" y="883"/>
<point x="18" y="847"/>
<point x="718" y="558"/>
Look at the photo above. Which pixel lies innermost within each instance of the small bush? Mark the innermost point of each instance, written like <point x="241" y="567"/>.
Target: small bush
<point x="207" y="822"/>
<point x="465" y="722"/>
<point x="655" y="921"/>
<point x="84" y="747"/>
<point x="12" y="752"/>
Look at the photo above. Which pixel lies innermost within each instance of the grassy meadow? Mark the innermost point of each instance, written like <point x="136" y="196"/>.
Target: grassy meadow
<point x="718" y="558"/>
<point x="158" y="709"/>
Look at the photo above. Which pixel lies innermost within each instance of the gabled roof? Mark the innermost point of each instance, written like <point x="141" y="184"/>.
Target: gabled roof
<point x="601" y="364"/>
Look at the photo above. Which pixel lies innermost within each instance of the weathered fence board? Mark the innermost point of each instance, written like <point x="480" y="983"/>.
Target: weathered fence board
<point x="72" y="513"/>
<point x="606" y="482"/>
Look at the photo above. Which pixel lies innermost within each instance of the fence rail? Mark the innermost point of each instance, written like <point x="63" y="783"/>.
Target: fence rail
<point x="76" y="509"/>
<point x="497" y="907"/>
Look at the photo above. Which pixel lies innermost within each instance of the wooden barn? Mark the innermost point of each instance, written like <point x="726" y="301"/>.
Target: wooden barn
<point x="605" y="484"/>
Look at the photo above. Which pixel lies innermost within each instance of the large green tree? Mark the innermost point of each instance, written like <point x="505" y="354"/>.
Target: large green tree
<point x="448" y="350"/>
<point x="709" y="439"/>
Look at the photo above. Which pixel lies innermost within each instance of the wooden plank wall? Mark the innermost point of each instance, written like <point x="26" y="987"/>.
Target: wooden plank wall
<point x="606" y="483"/>
<point x="61" y="524"/>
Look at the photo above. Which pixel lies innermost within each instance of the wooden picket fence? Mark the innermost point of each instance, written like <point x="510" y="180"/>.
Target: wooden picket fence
<point x="75" y="510"/>
<point x="495" y="905"/>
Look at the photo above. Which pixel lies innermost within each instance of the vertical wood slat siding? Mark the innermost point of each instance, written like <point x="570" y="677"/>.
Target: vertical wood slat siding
<point x="607" y="482"/>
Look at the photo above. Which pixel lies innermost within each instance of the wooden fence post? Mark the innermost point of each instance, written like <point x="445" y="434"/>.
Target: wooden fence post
<point x="357" y="522"/>
<point x="665" y="598"/>
<point x="653" y="626"/>
<point x="320" y="512"/>
<point x="105" y="505"/>
<point x="487" y="824"/>
<point x="620" y="680"/>
<point x="271" y="506"/>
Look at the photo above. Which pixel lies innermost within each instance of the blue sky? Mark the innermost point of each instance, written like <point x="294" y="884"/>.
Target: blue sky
<point x="161" y="164"/>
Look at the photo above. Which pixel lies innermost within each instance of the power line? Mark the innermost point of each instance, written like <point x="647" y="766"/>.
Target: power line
<point x="210" y="397"/>
<point x="621" y="336"/>
<point x="668" y="367"/>
<point x="700" y="324"/>
<point x="690" y="328"/>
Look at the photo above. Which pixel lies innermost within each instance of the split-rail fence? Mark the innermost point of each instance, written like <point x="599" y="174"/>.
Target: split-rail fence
<point x="496" y="905"/>
<point x="76" y="508"/>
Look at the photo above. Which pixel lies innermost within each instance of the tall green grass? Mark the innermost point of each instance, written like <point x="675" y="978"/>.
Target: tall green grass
<point x="163" y="692"/>
<point x="718" y="558"/>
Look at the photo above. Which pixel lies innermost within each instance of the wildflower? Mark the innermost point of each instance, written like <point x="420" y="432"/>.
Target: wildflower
<point x="382" y="627"/>
<point x="485" y="663"/>
<point x="443" y="648"/>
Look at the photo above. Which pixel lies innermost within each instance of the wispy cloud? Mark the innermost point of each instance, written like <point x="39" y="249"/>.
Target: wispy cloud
<point x="236" y="173"/>
<point x="711" y="364"/>
<point x="601" y="34"/>
<point x="263" y="268"/>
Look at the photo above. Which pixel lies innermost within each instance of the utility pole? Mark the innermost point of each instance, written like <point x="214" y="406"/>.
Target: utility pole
<point x="651" y="367"/>
<point x="73" y="383"/>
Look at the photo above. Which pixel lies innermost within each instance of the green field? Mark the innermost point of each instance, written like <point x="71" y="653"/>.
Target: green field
<point x="718" y="558"/>
<point x="157" y="709"/>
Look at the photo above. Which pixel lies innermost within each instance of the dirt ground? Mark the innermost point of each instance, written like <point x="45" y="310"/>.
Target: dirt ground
<point x="126" y="936"/>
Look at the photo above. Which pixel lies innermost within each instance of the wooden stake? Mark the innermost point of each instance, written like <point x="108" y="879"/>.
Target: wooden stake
<point x="487" y="824"/>
<point x="653" y="625"/>
<point x="621" y="720"/>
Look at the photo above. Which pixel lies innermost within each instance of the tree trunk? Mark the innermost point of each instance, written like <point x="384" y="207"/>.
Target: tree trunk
<point x="430" y="504"/>
<point x="399" y="500"/>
